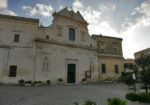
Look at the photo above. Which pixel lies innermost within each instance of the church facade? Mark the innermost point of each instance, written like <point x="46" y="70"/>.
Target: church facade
<point x="62" y="50"/>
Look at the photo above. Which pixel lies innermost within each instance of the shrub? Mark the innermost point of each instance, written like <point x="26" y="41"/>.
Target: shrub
<point x="75" y="103"/>
<point x="60" y="79"/>
<point x="86" y="102"/>
<point x="48" y="81"/>
<point x="35" y="82"/>
<point x="116" y="101"/>
<point x="132" y="96"/>
<point x="21" y="81"/>
<point x="143" y="97"/>
<point x="142" y="87"/>
<point x="89" y="102"/>
<point x="28" y="82"/>
<point x="128" y="80"/>
<point x="83" y="79"/>
<point x="108" y="79"/>
<point x="39" y="82"/>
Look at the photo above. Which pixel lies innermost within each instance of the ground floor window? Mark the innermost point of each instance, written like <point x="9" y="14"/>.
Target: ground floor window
<point x="116" y="69"/>
<point x="103" y="68"/>
<point x="12" y="71"/>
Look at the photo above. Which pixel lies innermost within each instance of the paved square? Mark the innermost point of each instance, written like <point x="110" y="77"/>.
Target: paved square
<point x="61" y="95"/>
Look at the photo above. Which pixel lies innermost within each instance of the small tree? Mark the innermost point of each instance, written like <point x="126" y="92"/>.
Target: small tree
<point x="128" y="80"/>
<point x="21" y="81"/>
<point x="144" y="62"/>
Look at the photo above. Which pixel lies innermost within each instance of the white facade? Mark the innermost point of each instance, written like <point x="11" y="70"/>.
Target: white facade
<point x="44" y="53"/>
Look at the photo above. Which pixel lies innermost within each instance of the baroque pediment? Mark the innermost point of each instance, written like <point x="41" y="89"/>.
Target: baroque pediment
<point x="71" y="14"/>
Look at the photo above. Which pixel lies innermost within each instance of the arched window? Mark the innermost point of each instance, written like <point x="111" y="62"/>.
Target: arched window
<point x="71" y="34"/>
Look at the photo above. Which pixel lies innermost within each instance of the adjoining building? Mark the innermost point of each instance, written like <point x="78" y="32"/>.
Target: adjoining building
<point x="139" y="54"/>
<point x="142" y="52"/>
<point x="110" y="57"/>
<point x="128" y="65"/>
<point x="62" y="50"/>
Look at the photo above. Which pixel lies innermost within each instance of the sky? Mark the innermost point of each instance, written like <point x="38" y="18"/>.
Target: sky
<point x="127" y="19"/>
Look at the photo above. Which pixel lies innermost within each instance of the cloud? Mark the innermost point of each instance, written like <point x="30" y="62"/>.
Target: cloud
<point x="26" y="7"/>
<point x="3" y="3"/>
<point x="93" y="17"/>
<point x="61" y="7"/>
<point x="114" y="7"/>
<point x="133" y="30"/>
<point x="140" y="17"/>
<point x="77" y="5"/>
<point x="39" y="9"/>
<point x="108" y="7"/>
<point x="4" y="10"/>
<point x="8" y="12"/>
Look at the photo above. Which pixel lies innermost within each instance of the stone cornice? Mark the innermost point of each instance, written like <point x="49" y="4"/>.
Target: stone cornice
<point x="4" y="46"/>
<point x="19" y="18"/>
<point x="101" y="36"/>
<point x="13" y="46"/>
<point x="110" y="56"/>
<point x="65" y="44"/>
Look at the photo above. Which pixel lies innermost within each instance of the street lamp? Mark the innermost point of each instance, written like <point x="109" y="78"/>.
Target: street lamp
<point x="134" y="78"/>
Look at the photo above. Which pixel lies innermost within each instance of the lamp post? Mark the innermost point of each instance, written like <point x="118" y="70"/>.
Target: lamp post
<point x="134" y="79"/>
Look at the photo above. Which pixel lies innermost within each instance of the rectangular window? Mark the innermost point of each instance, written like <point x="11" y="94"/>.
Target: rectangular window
<point x="12" y="71"/>
<point x="116" y="69"/>
<point x="102" y="49"/>
<point x="103" y="68"/>
<point x="59" y="31"/>
<point x="16" y="37"/>
<point x="114" y="50"/>
<point x="71" y="34"/>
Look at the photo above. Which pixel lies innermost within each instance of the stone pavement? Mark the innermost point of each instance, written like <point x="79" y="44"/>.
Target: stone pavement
<point x="62" y="95"/>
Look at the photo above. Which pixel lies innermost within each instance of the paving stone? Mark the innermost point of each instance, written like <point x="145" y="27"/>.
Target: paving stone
<point x="62" y="95"/>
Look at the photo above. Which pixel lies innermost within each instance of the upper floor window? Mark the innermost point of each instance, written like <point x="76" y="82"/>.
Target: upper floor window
<point x="59" y="31"/>
<point x="116" y="69"/>
<point x="115" y="50"/>
<point x="16" y="37"/>
<point x="114" y="46"/>
<point x="12" y="71"/>
<point x="102" y="49"/>
<point x="71" y="34"/>
<point x="103" y="68"/>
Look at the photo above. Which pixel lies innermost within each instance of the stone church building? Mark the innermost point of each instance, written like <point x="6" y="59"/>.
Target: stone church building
<point x="62" y="50"/>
